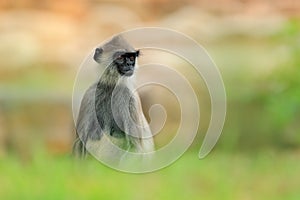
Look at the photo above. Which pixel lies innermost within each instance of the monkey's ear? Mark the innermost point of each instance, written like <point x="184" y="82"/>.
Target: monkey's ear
<point x="97" y="54"/>
<point x="137" y="53"/>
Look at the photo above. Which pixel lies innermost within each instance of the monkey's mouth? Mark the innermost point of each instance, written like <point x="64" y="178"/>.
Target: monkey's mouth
<point x="128" y="71"/>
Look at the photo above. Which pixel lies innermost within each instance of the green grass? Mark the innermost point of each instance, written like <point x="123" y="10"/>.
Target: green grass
<point x="266" y="175"/>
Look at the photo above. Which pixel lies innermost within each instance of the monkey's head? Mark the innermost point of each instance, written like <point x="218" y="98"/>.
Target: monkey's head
<point x="117" y="54"/>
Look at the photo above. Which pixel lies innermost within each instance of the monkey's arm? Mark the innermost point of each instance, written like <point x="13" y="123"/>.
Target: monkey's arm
<point x="135" y="123"/>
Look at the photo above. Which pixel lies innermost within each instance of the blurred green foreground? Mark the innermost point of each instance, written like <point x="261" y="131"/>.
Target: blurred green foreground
<point x="267" y="175"/>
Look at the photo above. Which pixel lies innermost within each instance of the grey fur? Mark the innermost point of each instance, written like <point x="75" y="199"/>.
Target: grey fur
<point x="96" y="118"/>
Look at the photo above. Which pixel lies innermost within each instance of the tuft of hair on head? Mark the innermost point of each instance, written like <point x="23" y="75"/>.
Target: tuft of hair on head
<point x="118" y="42"/>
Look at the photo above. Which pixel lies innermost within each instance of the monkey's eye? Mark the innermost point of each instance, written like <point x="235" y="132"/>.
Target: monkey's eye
<point x="119" y="58"/>
<point x="131" y="58"/>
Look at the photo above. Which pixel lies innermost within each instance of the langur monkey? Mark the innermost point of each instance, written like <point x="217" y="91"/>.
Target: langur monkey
<point x="104" y="115"/>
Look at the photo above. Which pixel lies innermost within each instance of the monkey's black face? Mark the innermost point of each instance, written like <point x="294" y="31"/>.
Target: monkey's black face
<point x="125" y="62"/>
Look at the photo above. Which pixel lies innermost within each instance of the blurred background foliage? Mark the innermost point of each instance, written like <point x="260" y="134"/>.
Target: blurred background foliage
<point x="255" y="44"/>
